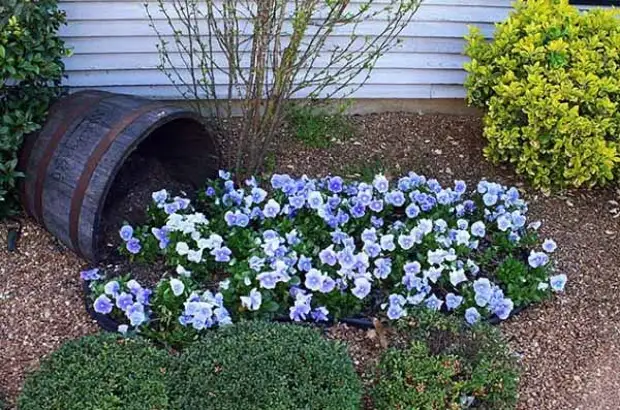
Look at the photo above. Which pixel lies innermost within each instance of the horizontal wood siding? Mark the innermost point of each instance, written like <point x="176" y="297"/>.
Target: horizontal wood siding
<point x="115" y="49"/>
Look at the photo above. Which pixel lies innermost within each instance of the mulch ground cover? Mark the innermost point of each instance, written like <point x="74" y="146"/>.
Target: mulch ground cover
<point x="569" y="347"/>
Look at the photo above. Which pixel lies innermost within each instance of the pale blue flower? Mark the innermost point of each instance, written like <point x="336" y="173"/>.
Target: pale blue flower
<point x="453" y="301"/>
<point x="537" y="259"/>
<point x="433" y="302"/>
<point x="271" y="209"/>
<point x="210" y="191"/>
<point x="177" y="287"/>
<point x="143" y="296"/>
<point x="328" y="285"/>
<point x="328" y="256"/>
<point x="372" y="249"/>
<point x="299" y="311"/>
<point x="383" y="268"/>
<point x="304" y="264"/>
<point x="126" y="232"/>
<point x="171" y="208"/>
<point x="462" y="237"/>
<point x="381" y="183"/>
<point x="112" y="288"/>
<point x="460" y="187"/>
<point x="406" y="241"/>
<point x="297" y="201"/>
<point x="346" y="258"/>
<point x="457" y="276"/>
<point x="369" y="235"/>
<point x="133" y="246"/>
<point x="315" y="200"/>
<point x="504" y="222"/>
<point x="222" y="254"/>
<point x="361" y="288"/>
<point x="503" y="308"/>
<point x="413" y="268"/>
<point x="223" y="174"/>
<point x="396" y="198"/>
<point x="258" y="195"/>
<point x="558" y="282"/>
<point x="478" y="229"/>
<point x="103" y="305"/>
<point x="136" y="315"/>
<point x="472" y="315"/>
<point x="376" y="221"/>
<point x="314" y="280"/>
<point x="549" y="245"/>
<point x="376" y="205"/>
<point x="268" y="280"/>
<point x="412" y="210"/>
<point x="483" y="291"/>
<point x="160" y="197"/>
<point x="122" y="329"/>
<point x="387" y="242"/>
<point x="489" y="199"/>
<point x="256" y="263"/>
<point x="395" y="312"/>
<point x="124" y="300"/>
<point x="253" y="300"/>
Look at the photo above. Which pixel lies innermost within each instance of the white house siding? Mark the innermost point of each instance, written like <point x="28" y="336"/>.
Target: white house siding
<point x="115" y="49"/>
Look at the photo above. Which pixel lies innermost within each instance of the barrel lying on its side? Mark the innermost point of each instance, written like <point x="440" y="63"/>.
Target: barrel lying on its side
<point x="71" y="163"/>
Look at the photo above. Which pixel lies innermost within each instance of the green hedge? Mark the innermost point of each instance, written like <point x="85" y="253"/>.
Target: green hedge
<point x="31" y="70"/>
<point x="258" y="365"/>
<point x="550" y="83"/>
<point x="445" y="365"/>
<point x="100" y="372"/>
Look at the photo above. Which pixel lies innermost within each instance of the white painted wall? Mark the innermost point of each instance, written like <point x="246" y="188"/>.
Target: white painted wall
<point x="115" y="49"/>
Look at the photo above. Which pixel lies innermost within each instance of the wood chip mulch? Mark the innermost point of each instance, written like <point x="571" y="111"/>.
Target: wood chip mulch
<point x="570" y="346"/>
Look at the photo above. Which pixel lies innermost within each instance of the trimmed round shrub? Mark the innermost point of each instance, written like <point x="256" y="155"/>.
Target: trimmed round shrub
<point x="550" y="82"/>
<point x="102" y="372"/>
<point x="261" y="365"/>
<point x="443" y="364"/>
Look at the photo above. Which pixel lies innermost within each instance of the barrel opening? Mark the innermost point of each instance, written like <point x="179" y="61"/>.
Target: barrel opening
<point x="178" y="155"/>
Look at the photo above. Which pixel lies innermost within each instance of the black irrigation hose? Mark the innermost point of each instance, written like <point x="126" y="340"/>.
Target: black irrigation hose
<point x="110" y="325"/>
<point x="14" y="231"/>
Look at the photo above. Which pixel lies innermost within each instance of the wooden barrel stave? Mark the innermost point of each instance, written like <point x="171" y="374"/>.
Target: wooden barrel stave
<point x="69" y="176"/>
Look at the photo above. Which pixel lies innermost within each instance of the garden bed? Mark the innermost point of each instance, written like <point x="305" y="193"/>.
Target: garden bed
<point x="556" y="375"/>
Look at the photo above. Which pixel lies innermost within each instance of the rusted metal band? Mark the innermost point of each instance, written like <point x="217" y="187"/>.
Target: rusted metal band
<point x="93" y="161"/>
<point x="77" y="113"/>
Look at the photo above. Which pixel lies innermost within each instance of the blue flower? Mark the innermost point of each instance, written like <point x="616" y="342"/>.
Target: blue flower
<point x="143" y="296"/>
<point x="549" y="245"/>
<point x="396" y="198"/>
<point x="395" y="312"/>
<point x="412" y="210"/>
<point x="376" y="205"/>
<point x="453" y="301"/>
<point x="433" y="302"/>
<point x="503" y="308"/>
<point x="315" y="200"/>
<point x="210" y="191"/>
<point x="171" y="208"/>
<point x="299" y="311"/>
<point x="413" y="268"/>
<point x="460" y="187"/>
<point x="223" y="174"/>
<point x="135" y="314"/>
<point x="103" y="305"/>
<point x="328" y="256"/>
<point x="161" y="234"/>
<point x="268" y="280"/>
<point x="126" y="232"/>
<point x="90" y="274"/>
<point x="369" y="235"/>
<point x="304" y="264"/>
<point x="504" y="222"/>
<point x="457" y="276"/>
<point x="483" y="291"/>
<point x="258" y="195"/>
<point x="133" y="246"/>
<point x="405" y="184"/>
<point x="253" y="301"/>
<point x="124" y="300"/>
<point x="272" y="208"/>
<point x="489" y="199"/>
<point x="472" y="315"/>
<point x="314" y="280"/>
<point x="383" y="268"/>
<point x="362" y="288"/>
<point x="376" y="222"/>
<point x="558" y="282"/>
<point x="177" y="287"/>
<point x="372" y="249"/>
<point x="335" y="184"/>
<point x="320" y="314"/>
<point x="328" y="285"/>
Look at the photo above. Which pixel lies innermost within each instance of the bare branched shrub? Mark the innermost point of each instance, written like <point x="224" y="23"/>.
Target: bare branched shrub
<point x="264" y="52"/>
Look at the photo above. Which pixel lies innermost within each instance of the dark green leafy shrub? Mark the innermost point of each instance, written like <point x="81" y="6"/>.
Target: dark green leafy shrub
<point x="444" y="365"/>
<point x="101" y="372"/>
<point x="550" y="82"/>
<point x="31" y="69"/>
<point x="259" y="365"/>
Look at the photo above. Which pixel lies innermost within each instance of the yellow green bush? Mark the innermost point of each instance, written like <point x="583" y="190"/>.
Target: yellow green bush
<point x="550" y="84"/>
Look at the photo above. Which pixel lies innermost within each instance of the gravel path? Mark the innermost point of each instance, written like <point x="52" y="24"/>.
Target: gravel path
<point x="570" y="346"/>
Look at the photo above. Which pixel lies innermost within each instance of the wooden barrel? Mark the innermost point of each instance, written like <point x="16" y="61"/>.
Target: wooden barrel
<point x="71" y="163"/>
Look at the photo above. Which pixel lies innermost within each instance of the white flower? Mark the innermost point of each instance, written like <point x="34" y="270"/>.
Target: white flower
<point x="457" y="276"/>
<point x="182" y="248"/>
<point x="177" y="287"/>
<point x="194" y="256"/>
<point x="182" y="271"/>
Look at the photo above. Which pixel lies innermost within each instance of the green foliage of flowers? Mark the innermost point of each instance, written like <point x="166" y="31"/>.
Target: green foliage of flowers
<point x="550" y="83"/>
<point x="31" y="69"/>
<point x="257" y="365"/>
<point x="446" y="366"/>
<point x="100" y="372"/>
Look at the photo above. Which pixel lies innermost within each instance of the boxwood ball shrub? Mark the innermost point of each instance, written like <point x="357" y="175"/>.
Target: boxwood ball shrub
<point x="318" y="250"/>
<point x="101" y="372"/>
<point x="260" y="365"/>
<point x="550" y="84"/>
<point x="31" y="70"/>
<point x="444" y="365"/>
